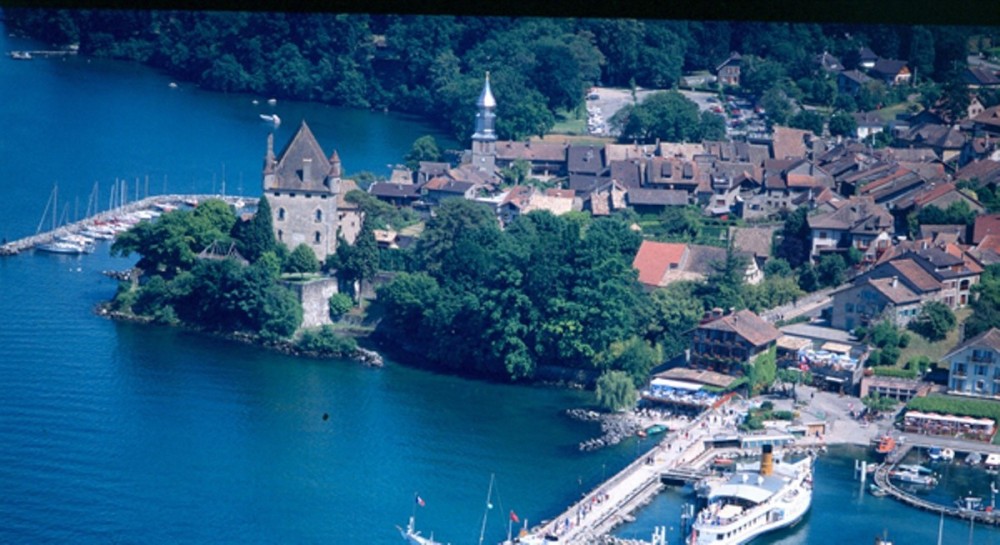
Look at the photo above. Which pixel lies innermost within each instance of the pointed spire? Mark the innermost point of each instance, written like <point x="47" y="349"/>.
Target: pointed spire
<point x="335" y="164"/>
<point x="486" y="99"/>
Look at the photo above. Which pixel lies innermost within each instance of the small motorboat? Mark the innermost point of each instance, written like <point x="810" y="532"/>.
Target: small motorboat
<point x="655" y="429"/>
<point x="969" y="503"/>
<point x="877" y="490"/>
<point x="913" y="477"/>
<point x="935" y="454"/>
<point x="992" y="462"/>
<point x="271" y="118"/>
<point x="947" y="454"/>
<point x="973" y="458"/>
<point x="886" y="445"/>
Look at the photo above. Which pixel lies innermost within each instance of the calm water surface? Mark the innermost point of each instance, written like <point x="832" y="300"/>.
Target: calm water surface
<point x="118" y="433"/>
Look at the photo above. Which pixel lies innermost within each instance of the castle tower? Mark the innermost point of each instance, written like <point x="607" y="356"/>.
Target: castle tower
<point x="302" y="185"/>
<point x="484" y="140"/>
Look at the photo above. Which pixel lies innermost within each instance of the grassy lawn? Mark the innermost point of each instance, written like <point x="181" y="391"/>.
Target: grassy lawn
<point x="889" y="112"/>
<point x="920" y="346"/>
<point x="570" y="123"/>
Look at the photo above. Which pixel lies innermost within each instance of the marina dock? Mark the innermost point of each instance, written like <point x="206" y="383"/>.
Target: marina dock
<point x="149" y="203"/>
<point x="881" y="478"/>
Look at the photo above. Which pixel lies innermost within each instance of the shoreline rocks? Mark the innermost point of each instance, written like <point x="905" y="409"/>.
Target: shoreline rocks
<point x="615" y="427"/>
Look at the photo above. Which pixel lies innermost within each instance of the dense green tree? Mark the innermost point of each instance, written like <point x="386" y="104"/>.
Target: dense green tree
<point x="451" y="219"/>
<point x="809" y="120"/>
<point x="832" y="270"/>
<point x="878" y="404"/>
<point x="635" y="356"/>
<point x="424" y="148"/>
<point x="279" y="313"/>
<point x="172" y="242"/>
<point x="921" y="55"/>
<point x="681" y="223"/>
<point x="777" y="267"/>
<point x="340" y="304"/>
<point x="934" y="321"/>
<point x="758" y="75"/>
<point x="667" y="116"/>
<point x="256" y="236"/>
<point x="842" y="124"/>
<point x="615" y="391"/>
<point x="794" y="246"/>
<point x="873" y="95"/>
<point x="779" y="108"/>
<point x="301" y="260"/>
<point x="676" y="312"/>
<point x="985" y="303"/>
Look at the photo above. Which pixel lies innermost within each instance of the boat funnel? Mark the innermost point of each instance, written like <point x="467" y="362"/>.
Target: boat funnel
<point x="767" y="460"/>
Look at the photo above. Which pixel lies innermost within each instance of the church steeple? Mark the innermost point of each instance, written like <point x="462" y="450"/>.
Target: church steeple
<point x="484" y="139"/>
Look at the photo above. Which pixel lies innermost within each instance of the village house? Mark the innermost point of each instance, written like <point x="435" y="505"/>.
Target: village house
<point x="547" y="159"/>
<point x="974" y="366"/>
<point x="303" y="187"/>
<point x="859" y="222"/>
<point x="850" y="82"/>
<point x="522" y="199"/>
<point x="727" y="343"/>
<point x="663" y="263"/>
<point x="869" y="301"/>
<point x="977" y="77"/>
<point x="728" y="72"/>
<point x="891" y="71"/>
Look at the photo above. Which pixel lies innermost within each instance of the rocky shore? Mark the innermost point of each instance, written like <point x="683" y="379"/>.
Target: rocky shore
<point x="614" y="427"/>
<point x="369" y="358"/>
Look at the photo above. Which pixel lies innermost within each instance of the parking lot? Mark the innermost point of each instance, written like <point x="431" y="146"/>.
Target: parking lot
<point x="604" y="102"/>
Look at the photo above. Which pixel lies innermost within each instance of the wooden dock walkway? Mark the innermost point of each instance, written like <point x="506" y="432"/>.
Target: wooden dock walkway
<point x="26" y="243"/>
<point x="882" y="479"/>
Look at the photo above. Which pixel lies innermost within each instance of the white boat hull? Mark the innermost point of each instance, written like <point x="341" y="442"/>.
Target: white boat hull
<point x="784" y="508"/>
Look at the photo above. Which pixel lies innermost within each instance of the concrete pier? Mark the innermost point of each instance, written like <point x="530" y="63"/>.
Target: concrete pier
<point x="681" y="453"/>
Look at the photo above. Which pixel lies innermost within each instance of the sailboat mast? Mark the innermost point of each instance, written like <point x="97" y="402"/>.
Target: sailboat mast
<point x="486" y="512"/>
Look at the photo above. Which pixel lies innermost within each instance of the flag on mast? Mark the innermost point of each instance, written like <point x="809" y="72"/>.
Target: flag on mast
<point x="513" y="516"/>
<point x="420" y="501"/>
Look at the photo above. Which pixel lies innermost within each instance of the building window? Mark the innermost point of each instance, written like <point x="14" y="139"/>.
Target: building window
<point x="281" y="235"/>
<point x="981" y="370"/>
<point x="316" y="237"/>
<point x="281" y="214"/>
<point x="319" y="216"/>
<point x="277" y="194"/>
<point x="849" y="307"/>
<point x="291" y="195"/>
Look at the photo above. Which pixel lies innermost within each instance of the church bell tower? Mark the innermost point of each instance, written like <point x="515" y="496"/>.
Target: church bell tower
<point x="484" y="140"/>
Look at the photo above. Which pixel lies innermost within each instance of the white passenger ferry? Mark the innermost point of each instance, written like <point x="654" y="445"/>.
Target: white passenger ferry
<point x="750" y="503"/>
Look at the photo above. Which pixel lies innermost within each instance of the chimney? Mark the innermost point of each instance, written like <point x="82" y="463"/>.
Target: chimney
<point x="306" y="170"/>
<point x="767" y="460"/>
<point x="895" y="281"/>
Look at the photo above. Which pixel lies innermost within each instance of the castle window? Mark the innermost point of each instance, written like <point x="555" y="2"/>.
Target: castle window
<point x="322" y="196"/>
<point x="281" y="234"/>
<point x="281" y="214"/>
<point x="277" y="193"/>
<point x="291" y="195"/>
<point x="308" y="196"/>
<point x="319" y="216"/>
<point x="316" y="238"/>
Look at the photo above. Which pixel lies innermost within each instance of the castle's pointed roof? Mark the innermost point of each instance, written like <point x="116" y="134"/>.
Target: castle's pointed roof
<point x="486" y="99"/>
<point x="302" y="165"/>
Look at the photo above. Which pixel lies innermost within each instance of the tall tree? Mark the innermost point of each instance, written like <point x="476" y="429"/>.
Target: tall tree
<point x="257" y="235"/>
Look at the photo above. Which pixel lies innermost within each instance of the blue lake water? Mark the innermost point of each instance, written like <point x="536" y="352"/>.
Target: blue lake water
<point x="121" y="433"/>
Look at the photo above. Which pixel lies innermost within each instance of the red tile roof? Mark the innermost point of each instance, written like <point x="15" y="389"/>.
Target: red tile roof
<point x="988" y="224"/>
<point x="654" y="259"/>
<point x="916" y="275"/>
